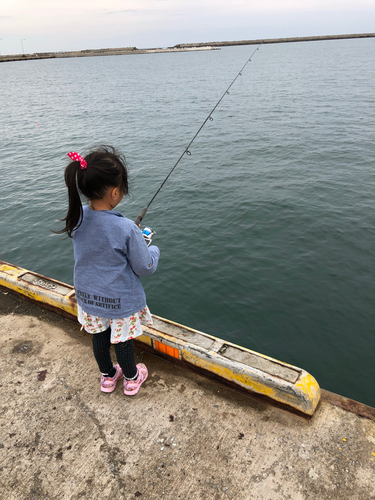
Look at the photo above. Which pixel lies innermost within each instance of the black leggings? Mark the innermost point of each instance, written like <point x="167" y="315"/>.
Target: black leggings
<point x="101" y="343"/>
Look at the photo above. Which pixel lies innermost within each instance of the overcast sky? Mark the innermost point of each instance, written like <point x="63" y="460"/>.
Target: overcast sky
<point x="54" y="25"/>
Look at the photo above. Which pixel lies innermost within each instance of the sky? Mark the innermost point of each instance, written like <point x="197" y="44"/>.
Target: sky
<point x="60" y="25"/>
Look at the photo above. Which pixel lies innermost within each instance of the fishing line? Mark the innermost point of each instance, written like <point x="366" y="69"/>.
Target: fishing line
<point x="177" y="179"/>
<point x="187" y="149"/>
<point x="175" y="182"/>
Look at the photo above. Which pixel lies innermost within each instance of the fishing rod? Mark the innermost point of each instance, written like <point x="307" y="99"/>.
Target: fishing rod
<point x="187" y="149"/>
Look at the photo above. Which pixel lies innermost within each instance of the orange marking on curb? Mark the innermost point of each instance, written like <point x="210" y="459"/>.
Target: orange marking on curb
<point x="171" y="351"/>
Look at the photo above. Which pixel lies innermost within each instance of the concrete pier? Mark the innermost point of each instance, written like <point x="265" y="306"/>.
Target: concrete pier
<point x="183" y="436"/>
<point x="218" y="358"/>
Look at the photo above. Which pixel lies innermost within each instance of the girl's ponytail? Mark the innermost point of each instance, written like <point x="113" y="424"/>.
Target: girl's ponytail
<point x="92" y="176"/>
<point x="73" y="218"/>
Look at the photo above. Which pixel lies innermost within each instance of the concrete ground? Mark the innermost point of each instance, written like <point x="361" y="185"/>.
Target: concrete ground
<point x="183" y="436"/>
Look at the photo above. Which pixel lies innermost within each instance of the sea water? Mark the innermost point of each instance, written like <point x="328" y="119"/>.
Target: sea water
<point x="266" y="232"/>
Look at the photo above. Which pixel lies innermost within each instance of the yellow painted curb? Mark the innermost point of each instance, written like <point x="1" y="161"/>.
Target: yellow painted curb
<point x="248" y="369"/>
<point x="38" y="288"/>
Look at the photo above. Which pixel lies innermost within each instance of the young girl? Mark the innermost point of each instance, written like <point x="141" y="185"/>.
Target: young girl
<point x="110" y="255"/>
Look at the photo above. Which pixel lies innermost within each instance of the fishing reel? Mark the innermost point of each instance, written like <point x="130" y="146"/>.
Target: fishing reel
<point x="148" y="233"/>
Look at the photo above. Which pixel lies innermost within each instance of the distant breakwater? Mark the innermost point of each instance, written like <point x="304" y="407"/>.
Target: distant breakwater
<point x="102" y="52"/>
<point x="181" y="47"/>
<point x="262" y="41"/>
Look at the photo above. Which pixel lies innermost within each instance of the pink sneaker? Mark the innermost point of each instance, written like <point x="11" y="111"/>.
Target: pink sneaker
<point x="131" y="387"/>
<point x="108" y="383"/>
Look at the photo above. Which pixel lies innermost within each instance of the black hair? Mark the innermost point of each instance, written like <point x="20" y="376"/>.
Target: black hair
<point x="106" y="168"/>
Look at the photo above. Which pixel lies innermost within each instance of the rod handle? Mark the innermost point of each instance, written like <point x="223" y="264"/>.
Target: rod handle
<point x="138" y="220"/>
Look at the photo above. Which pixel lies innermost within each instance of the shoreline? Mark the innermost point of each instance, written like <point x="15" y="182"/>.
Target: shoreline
<point x="182" y="47"/>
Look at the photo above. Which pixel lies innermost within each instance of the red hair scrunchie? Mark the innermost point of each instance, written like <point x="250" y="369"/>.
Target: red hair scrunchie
<point x="76" y="157"/>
